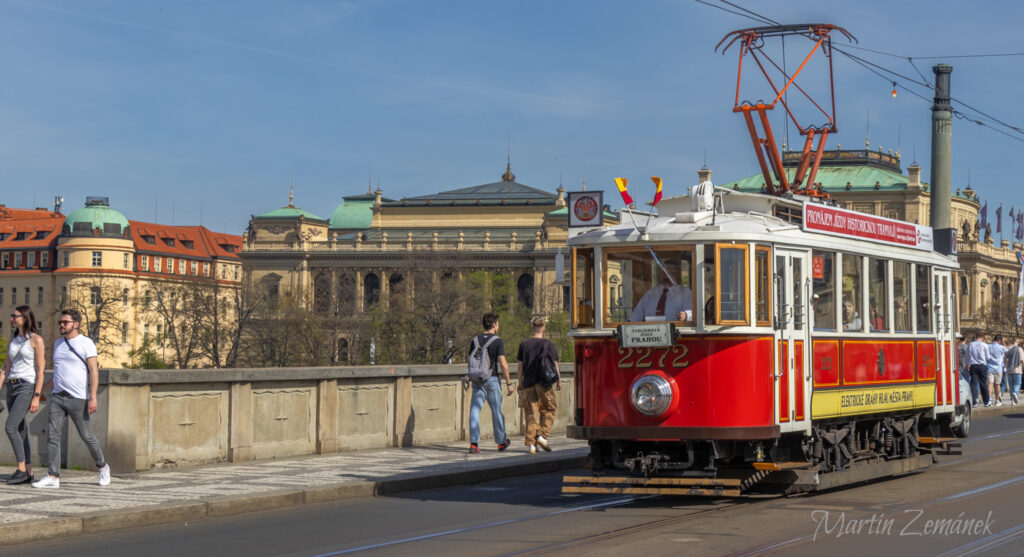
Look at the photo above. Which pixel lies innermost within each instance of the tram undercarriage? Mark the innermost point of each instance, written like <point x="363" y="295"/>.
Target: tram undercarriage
<point x="837" y="453"/>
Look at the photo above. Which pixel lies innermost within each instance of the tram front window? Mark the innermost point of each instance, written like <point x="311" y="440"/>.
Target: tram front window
<point x="650" y="287"/>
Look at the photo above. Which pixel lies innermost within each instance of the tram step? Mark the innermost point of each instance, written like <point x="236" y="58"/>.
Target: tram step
<point x="698" y="482"/>
<point x="935" y="440"/>
<point x="628" y="485"/>
<point x="776" y="466"/>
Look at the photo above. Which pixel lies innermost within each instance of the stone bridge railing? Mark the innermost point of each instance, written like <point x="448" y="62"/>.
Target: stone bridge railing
<point x="157" y="418"/>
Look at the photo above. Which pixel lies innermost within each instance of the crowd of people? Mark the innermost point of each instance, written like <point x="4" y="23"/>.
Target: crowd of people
<point x="993" y="369"/>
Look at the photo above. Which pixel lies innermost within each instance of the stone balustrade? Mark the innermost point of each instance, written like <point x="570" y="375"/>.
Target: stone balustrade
<point x="159" y="418"/>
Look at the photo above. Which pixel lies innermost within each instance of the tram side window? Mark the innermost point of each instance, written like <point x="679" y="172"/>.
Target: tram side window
<point x="901" y="294"/>
<point x="878" y="294"/>
<point x="852" y="293"/>
<point x="924" y="299"/>
<point x="732" y="284"/>
<point x="762" y="276"/>
<point x="824" y="299"/>
<point x="583" y="287"/>
<point x="650" y="288"/>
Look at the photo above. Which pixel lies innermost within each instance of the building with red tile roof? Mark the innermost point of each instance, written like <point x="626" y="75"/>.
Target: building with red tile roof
<point x="106" y="266"/>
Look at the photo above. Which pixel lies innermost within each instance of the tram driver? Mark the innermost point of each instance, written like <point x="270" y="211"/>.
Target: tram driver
<point x="666" y="301"/>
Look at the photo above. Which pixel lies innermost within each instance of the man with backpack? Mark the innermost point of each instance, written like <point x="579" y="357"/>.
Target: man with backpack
<point x="486" y="354"/>
<point x="538" y="381"/>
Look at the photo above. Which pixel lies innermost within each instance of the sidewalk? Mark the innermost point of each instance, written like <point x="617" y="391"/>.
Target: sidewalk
<point x="186" y="494"/>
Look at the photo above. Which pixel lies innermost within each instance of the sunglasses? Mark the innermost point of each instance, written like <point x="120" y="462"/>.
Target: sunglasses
<point x="64" y="322"/>
<point x="16" y="315"/>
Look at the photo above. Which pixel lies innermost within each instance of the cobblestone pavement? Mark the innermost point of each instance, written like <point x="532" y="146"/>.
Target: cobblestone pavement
<point x="412" y="467"/>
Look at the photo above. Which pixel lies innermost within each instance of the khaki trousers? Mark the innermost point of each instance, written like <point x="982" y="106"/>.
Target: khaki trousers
<point x="540" y="411"/>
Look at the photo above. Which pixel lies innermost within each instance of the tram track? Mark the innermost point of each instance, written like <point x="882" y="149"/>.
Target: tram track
<point x="582" y="541"/>
<point x="723" y="506"/>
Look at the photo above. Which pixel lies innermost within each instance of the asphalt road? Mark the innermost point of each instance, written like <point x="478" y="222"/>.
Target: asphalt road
<point x="965" y="505"/>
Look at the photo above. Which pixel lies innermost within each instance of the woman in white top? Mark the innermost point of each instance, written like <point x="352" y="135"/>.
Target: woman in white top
<point x="23" y="377"/>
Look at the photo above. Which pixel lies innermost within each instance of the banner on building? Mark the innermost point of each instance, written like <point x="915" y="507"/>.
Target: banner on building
<point x="1020" y="290"/>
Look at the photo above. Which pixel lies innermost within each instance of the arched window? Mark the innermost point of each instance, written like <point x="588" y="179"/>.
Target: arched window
<point x="343" y="351"/>
<point x="371" y="289"/>
<point x="346" y="294"/>
<point x="321" y="294"/>
<point x="524" y="286"/>
<point x="396" y="285"/>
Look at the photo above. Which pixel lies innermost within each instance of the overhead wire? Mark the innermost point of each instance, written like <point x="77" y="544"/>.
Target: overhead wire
<point x="877" y="69"/>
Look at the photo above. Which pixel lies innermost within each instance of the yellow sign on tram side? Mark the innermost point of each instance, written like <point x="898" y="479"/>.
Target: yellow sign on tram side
<point x="834" y="403"/>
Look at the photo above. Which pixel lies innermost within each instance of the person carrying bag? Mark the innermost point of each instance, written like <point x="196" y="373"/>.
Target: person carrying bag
<point x="538" y="381"/>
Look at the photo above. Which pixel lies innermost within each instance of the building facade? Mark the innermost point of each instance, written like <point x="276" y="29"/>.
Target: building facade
<point x="373" y="247"/>
<point x="871" y="181"/>
<point x="112" y="270"/>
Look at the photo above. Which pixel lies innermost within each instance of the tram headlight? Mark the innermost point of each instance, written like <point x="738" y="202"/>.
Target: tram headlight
<point x="651" y="395"/>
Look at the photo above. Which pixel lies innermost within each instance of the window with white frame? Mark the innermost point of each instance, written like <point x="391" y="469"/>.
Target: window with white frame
<point x="44" y="259"/>
<point x="126" y="258"/>
<point x="97" y="259"/>
<point x="144" y="264"/>
<point x="194" y="266"/>
<point x="156" y="264"/>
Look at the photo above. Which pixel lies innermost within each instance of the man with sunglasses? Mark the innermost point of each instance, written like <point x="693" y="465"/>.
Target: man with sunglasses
<point x="75" y="380"/>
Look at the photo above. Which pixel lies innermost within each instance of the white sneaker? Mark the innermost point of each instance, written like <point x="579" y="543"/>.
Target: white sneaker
<point x="999" y="403"/>
<point x="47" y="482"/>
<point x="543" y="443"/>
<point x="533" y="449"/>
<point x="105" y="475"/>
<point x="1013" y="398"/>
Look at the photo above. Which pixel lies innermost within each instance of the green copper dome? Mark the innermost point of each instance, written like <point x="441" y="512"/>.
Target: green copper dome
<point x="96" y="214"/>
<point x="355" y="212"/>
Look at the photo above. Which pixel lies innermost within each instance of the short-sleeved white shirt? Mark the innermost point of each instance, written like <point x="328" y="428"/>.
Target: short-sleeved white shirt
<point x="70" y="374"/>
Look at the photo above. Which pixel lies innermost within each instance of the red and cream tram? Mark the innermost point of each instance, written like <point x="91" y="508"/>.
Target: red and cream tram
<point x="817" y="347"/>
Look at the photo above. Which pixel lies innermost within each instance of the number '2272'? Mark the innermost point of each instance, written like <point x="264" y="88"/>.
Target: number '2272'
<point x="643" y="358"/>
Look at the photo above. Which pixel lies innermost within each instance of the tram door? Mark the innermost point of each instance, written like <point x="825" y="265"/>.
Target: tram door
<point x="945" y="332"/>
<point x="792" y="340"/>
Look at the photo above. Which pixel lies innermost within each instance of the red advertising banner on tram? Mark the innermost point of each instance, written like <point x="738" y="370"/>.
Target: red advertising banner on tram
<point x="853" y="224"/>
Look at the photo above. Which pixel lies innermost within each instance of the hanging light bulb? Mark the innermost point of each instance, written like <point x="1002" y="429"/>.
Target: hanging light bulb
<point x="894" y="89"/>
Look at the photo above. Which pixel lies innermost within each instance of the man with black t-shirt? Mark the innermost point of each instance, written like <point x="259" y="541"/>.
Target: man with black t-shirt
<point x="535" y="353"/>
<point x="489" y="389"/>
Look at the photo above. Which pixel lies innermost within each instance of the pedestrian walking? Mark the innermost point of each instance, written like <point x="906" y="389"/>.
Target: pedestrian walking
<point x="996" y="354"/>
<point x="538" y="381"/>
<point x="977" y="353"/>
<point x="1014" y="366"/>
<point x="486" y="357"/>
<point x="22" y="376"/>
<point x="75" y="381"/>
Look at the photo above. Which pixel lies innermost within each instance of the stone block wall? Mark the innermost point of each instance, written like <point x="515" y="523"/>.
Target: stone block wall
<point x="158" y="418"/>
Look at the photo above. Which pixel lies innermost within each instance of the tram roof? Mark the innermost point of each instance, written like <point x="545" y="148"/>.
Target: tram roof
<point x="746" y="217"/>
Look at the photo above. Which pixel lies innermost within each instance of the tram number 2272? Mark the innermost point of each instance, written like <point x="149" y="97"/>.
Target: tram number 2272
<point x="643" y="358"/>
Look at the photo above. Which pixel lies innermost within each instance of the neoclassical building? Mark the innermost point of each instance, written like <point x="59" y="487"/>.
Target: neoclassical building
<point x="872" y="181"/>
<point x="96" y="260"/>
<point x="373" y="246"/>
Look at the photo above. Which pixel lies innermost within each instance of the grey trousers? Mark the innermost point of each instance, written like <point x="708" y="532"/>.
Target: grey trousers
<point x="62" y="406"/>
<point x="19" y="398"/>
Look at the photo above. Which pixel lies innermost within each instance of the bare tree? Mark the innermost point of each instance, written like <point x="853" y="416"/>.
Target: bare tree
<point x="103" y="302"/>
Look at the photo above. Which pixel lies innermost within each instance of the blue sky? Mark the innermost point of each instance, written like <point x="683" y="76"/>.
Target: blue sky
<point x="215" y="107"/>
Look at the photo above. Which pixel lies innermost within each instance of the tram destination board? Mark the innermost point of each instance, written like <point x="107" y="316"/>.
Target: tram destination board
<point x="646" y="334"/>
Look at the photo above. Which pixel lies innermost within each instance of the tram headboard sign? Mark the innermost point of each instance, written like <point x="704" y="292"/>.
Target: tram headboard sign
<point x="646" y="334"/>
<point x="585" y="208"/>
<point x="853" y="224"/>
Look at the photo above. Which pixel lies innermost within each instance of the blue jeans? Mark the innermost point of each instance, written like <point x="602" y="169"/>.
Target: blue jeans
<point x="491" y="390"/>
<point x="1014" y="379"/>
